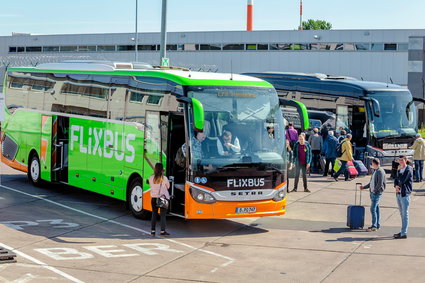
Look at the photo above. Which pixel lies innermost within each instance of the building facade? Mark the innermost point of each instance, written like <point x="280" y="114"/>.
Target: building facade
<point x="376" y="55"/>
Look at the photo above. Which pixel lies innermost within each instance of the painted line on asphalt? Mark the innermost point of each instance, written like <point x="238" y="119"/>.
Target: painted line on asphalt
<point x="42" y="264"/>
<point x="229" y="259"/>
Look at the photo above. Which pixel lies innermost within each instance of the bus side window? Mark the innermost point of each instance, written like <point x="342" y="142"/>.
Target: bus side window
<point x="117" y="97"/>
<point x="37" y="84"/>
<point x="16" y="91"/>
<point x="98" y="93"/>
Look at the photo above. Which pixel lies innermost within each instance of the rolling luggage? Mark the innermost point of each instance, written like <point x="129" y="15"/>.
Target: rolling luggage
<point x="361" y="169"/>
<point x="356" y="213"/>
<point x="352" y="172"/>
<point x="322" y="163"/>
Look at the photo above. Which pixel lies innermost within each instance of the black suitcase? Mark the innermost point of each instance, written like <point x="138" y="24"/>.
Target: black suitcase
<point x="356" y="213"/>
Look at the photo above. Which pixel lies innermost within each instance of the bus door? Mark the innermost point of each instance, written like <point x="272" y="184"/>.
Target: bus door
<point x="152" y="149"/>
<point x="176" y="138"/>
<point x="54" y="148"/>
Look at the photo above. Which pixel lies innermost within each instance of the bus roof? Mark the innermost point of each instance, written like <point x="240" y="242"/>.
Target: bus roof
<point x="324" y="84"/>
<point x="176" y="75"/>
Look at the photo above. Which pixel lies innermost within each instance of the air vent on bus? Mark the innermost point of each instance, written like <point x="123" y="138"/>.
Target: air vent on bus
<point x="9" y="148"/>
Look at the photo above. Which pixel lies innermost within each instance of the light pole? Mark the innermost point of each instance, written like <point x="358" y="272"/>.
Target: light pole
<point x="163" y="47"/>
<point x="136" y="37"/>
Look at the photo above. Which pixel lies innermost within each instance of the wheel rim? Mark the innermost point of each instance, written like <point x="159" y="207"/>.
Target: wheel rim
<point x="137" y="198"/>
<point x="35" y="170"/>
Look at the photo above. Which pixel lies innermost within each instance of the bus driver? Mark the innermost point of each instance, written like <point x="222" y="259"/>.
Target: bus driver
<point x="228" y="144"/>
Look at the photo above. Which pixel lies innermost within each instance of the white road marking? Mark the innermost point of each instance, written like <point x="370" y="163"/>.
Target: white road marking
<point x="229" y="259"/>
<point x="55" y="270"/>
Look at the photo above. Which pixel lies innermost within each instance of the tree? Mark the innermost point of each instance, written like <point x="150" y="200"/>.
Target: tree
<point x="316" y="24"/>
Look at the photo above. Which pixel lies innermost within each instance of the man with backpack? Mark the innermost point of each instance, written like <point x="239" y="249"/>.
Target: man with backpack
<point x="344" y="154"/>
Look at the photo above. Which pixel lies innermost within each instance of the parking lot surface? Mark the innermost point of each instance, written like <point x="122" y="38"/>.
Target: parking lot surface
<point x="64" y="234"/>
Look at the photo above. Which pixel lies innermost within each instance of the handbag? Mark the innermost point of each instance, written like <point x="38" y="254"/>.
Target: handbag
<point x="162" y="201"/>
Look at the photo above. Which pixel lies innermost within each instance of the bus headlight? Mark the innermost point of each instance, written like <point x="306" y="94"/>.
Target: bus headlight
<point x="201" y="196"/>
<point x="280" y="195"/>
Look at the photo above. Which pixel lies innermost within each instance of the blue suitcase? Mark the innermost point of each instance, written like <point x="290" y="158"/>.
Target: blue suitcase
<point x="356" y="213"/>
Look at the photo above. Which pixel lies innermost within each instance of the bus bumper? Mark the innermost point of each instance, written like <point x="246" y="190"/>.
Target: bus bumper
<point x="228" y="209"/>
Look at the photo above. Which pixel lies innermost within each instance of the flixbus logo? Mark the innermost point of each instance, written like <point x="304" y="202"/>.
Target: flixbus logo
<point x="104" y="143"/>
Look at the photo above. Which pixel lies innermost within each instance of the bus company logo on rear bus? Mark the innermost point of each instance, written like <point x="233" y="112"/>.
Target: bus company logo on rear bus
<point x="242" y="183"/>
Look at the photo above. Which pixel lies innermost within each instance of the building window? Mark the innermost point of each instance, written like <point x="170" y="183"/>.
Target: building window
<point x="191" y="47"/>
<point x="154" y="99"/>
<point x="320" y="46"/>
<point x="362" y="46"/>
<point x="180" y="47"/>
<point x="87" y="48"/>
<point x="12" y="49"/>
<point x="281" y="46"/>
<point x="68" y="48"/>
<point x="126" y="47"/>
<point x="21" y="49"/>
<point x="251" y="47"/>
<point x="390" y="46"/>
<point x="106" y="48"/>
<point x="151" y="47"/>
<point x="51" y="49"/>
<point x="262" y="47"/>
<point x="377" y="46"/>
<point x="33" y="49"/>
<point x="171" y="47"/>
<point x="136" y="97"/>
<point x="301" y="46"/>
<point x="210" y="47"/>
<point x="403" y="46"/>
<point x="233" y="47"/>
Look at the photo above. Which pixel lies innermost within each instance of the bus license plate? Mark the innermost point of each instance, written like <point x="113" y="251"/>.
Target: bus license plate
<point x="250" y="209"/>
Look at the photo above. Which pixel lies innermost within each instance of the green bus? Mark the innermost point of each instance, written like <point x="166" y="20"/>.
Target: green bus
<point x="102" y="126"/>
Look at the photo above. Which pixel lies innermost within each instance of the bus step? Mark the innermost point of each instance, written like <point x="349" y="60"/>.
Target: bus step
<point x="6" y="256"/>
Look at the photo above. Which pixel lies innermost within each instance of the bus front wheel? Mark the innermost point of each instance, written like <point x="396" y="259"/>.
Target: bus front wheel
<point x="135" y="200"/>
<point x="34" y="170"/>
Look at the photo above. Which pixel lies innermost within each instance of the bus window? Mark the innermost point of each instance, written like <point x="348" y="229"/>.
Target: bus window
<point x="17" y="90"/>
<point x="117" y="97"/>
<point x="99" y="93"/>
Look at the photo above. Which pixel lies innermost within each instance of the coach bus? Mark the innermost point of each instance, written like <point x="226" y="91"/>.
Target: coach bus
<point x="102" y="126"/>
<point x="381" y="117"/>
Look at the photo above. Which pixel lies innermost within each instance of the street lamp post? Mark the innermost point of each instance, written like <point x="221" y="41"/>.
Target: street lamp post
<point x="136" y="37"/>
<point x="163" y="46"/>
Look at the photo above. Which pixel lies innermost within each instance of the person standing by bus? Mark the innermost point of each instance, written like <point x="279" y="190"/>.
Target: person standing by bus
<point x="302" y="156"/>
<point x="419" y="157"/>
<point x="159" y="188"/>
<point x="316" y="143"/>
<point x="403" y="185"/>
<point x="291" y="134"/>
<point x="347" y="155"/>
<point x="329" y="150"/>
<point x="376" y="187"/>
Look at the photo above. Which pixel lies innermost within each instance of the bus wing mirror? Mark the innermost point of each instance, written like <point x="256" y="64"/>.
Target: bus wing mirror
<point x="301" y="109"/>
<point x="376" y="108"/>
<point x="417" y="99"/>
<point x="198" y="115"/>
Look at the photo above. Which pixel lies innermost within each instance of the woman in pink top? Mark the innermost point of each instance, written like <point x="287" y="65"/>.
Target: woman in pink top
<point x="159" y="187"/>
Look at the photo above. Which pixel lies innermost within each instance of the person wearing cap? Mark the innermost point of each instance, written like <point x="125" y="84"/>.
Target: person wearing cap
<point x="316" y="143"/>
<point x="419" y="157"/>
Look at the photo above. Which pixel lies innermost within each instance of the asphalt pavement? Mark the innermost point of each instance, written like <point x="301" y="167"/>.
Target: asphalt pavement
<point x="64" y="234"/>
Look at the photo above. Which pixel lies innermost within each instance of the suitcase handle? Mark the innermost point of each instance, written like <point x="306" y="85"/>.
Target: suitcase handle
<point x="358" y="185"/>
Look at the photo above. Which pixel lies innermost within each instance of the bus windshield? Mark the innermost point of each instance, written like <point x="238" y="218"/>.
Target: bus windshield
<point x="243" y="126"/>
<point x="398" y="115"/>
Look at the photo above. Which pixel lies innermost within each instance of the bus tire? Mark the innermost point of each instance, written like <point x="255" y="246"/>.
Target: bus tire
<point x="135" y="200"/>
<point x="34" y="170"/>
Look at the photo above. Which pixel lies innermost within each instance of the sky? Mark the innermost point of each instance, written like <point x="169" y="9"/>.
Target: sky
<point x="112" y="16"/>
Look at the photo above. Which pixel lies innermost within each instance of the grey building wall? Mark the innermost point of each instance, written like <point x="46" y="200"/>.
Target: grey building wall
<point x="376" y="65"/>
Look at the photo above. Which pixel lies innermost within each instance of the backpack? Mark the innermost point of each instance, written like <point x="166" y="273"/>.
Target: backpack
<point x="339" y="151"/>
<point x="180" y="159"/>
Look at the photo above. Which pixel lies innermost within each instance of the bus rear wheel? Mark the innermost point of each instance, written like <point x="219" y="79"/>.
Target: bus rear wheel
<point x="34" y="170"/>
<point x="135" y="200"/>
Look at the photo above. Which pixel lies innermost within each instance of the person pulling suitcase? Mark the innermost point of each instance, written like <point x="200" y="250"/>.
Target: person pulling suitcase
<point x="376" y="186"/>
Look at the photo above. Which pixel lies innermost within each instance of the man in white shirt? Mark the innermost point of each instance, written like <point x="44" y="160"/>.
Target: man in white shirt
<point x="228" y="144"/>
